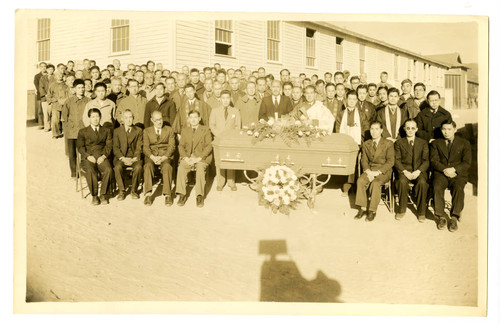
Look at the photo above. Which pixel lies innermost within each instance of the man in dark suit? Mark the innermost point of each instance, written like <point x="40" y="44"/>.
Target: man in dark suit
<point x="95" y="144"/>
<point x="36" y="82"/>
<point x="451" y="160"/>
<point x="412" y="163"/>
<point x="429" y="120"/>
<point x="161" y="103"/>
<point x="127" y="149"/>
<point x="195" y="150"/>
<point x="275" y="105"/>
<point x="377" y="160"/>
<point x="159" y="147"/>
<point x="392" y="116"/>
<point x="363" y="105"/>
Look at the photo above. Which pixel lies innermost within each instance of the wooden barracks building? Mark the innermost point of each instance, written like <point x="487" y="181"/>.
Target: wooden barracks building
<point x="312" y="47"/>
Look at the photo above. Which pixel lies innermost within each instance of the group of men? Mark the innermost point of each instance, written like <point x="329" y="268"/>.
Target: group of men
<point x="148" y="117"/>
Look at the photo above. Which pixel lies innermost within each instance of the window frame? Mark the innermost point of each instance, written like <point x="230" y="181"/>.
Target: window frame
<point x="339" y="48"/>
<point x="362" y="58"/>
<point x="232" y="46"/>
<point x="280" y="43"/>
<point x="41" y="31"/>
<point x="315" y="39"/>
<point x="111" y="30"/>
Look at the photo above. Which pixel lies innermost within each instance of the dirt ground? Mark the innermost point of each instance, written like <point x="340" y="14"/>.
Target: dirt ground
<point x="225" y="251"/>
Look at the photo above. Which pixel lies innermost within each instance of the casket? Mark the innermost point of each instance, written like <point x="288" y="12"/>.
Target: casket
<point x="334" y="154"/>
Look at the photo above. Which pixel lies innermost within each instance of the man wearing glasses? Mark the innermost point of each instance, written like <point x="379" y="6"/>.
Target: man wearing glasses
<point x="411" y="162"/>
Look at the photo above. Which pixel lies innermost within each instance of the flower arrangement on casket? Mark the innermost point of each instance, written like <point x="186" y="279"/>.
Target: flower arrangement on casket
<point x="279" y="188"/>
<point x="287" y="128"/>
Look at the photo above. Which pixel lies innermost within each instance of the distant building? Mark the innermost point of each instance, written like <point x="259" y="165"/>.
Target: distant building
<point x="300" y="46"/>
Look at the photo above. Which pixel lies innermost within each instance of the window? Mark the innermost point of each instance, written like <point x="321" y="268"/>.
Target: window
<point x="339" y="53"/>
<point x="120" y="35"/>
<point x="408" y="75"/>
<point x="310" y="47"/>
<point x="396" y="67"/>
<point x="362" y="61"/>
<point x="43" y="39"/>
<point x="223" y="37"/>
<point x="273" y="40"/>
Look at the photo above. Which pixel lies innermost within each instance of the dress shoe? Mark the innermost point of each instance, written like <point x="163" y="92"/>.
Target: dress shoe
<point x="169" y="200"/>
<point x="421" y="218"/>
<point x="134" y="195"/>
<point x="453" y="224"/>
<point x="233" y="188"/>
<point x="104" y="200"/>
<point x="199" y="201"/>
<point x="441" y="223"/>
<point x="95" y="200"/>
<point x="182" y="200"/>
<point x="121" y="196"/>
<point x="399" y="216"/>
<point x="219" y="188"/>
<point x="148" y="200"/>
<point x="370" y="215"/>
<point x="360" y="214"/>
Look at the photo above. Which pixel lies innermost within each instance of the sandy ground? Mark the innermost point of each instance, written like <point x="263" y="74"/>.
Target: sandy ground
<point x="127" y="251"/>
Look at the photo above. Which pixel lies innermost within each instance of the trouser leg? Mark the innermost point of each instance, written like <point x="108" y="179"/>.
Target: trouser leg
<point x="46" y="116"/>
<point x="361" y="187"/>
<point x="402" y="185"/>
<point x="55" y="120"/>
<point x="201" y="180"/>
<point x="136" y="174"/>
<point x="91" y="176"/>
<point x="375" y="190"/>
<point x="71" y="143"/>
<point x="106" y="174"/>
<point x="457" y="186"/>
<point x="440" y="183"/>
<point x="182" y="172"/>
<point x="420" y="191"/>
<point x="166" y="171"/>
<point x="118" y="169"/>
<point x="149" y="171"/>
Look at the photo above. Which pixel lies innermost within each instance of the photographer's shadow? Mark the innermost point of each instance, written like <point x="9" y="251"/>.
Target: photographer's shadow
<point x="281" y="279"/>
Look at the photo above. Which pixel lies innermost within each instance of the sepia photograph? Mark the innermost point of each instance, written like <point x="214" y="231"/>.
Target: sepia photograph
<point x="267" y="162"/>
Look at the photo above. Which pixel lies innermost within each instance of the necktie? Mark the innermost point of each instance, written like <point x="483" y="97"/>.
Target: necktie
<point x="448" y="146"/>
<point x="374" y="146"/>
<point x="158" y="135"/>
<point x="276" y="102"/>
<point x="225" y="113"/>
<point x="96" y="130"/>
<point x="411" y="143"/>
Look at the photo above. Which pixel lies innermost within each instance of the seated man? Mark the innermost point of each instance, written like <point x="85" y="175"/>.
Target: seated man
<point x="412" y="163"/>
<point x="377" y="159"/>
<point x="95" y="144"/>
<point x="450" y="159"/>
<point x="159" y="147"/>
<point x="195" y="150"/>
<point x="127" y="149"/>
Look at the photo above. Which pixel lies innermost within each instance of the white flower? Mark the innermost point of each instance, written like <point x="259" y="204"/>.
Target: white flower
<point x="256" y="134"/>
<point x="308" y="133"/>
<point x="249" y="132"/>
<point x="300" y="133"/>
<point x="270" y="122"/>
<point x="286" y="200"/>
<point x="317" y="135"/>
<point x="276" y="202"/>
<point x="262" y="121"/>
<point x="297" y="123"/>
<point x="253" y="124"/>
<point x="302" y="117"/>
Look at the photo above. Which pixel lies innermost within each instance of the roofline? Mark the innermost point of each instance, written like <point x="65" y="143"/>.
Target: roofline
<point x="344" y="31"/>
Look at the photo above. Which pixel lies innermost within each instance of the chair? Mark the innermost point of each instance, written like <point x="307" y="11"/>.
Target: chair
<point x="80" y="175"/>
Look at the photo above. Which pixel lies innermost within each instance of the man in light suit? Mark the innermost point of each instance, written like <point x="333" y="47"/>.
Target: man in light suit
<point x="451" y="159"/>
<point x="377" y="160"/>
<point x="195" y="150"/>
<point x="95" y="144"/>
<point x="159" y="147"/>
<point x="275" y="105"/>
<point x="127" y="150"/>
<point x="412" y="163"/>
<point x="222" y="118"/>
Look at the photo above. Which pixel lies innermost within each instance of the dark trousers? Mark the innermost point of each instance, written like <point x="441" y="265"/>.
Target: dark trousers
<point x="149" y="172"/>
<point x="375" y="189"/>
<point x="456" y="186"/>
<point x="71" y="145"/>
<point x="119" y="174"/>
<point x="91" y="173"/>
<point x="38" y="112"/>
<point x="419" y="190"/>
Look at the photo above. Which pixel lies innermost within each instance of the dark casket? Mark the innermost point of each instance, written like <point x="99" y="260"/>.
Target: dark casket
<point x="334" y="154"/>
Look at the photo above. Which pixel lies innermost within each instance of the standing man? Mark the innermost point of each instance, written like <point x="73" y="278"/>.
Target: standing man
<point x="160" y="102"/>
<point x="71" y="116"/>
<point x="377" y="160"/>
<point x="194" y="76"/>
<point x="415" y="105"/>
<point x="148" y="90"/>
<point x="297" y="97"/>
<point x="372" y="94"/>
<point x="363" y="105"/>
<point x="275" y="105"/>
<point x="451" y="159"/>
<point x="285" y="75"/>
<point x="95" y="144"/>
<point x="383" y="80"/>
<point x="86" y="69"/>
<point x="406" y="92"/>
<point x="189" y="104"/>
<point x="222" y="118"/>
<point x="36" y="82"/>
<point x="262" y="90"/>
<point x="43" y="87"/>
<point x="354" y="82"/>
<point x="236" y="93"/>
<point x="249" y="106"/>
<point x="127" y="150"/>
<point x="56" y="96"/>
<point x="412" y="163"/>
<point x="104" y="105"/>
<point x="159" y="147"/>
<point x="133" y="102"/>
<point x="214" y="101"/>
<point x="392" y="117"/>
<point x="178" y="95"/>
<point x="116" y="91"/>
<point x="430" y="119"/>
<point x="195" y="150"/>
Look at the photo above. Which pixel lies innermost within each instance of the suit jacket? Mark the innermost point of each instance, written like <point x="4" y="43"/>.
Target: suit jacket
<point x="411" y="158"/>
<point x="136" y="105"/>
<point x="43" y="85"/>
<point x="402" y="101"/>
<point x="127" y="146"/>
<point x="177" y="98"/>
<point x="163" y="146"/>
<point x="382" y="159"/>
<point x="235" y="95"/>
<point x="71" y="116"/>
<point x="363" y="119"/>
<point x="399" y="128"/>
<point x="89" y="143"/>
<point x="36" y="82"/>
<point x="413" y="107"/>
<point x="198" y="143"/>
<point x="267" y="108"/>
<point x="368" y="109"/>
<point x="429" y="124"/>
<point x="166" y="107"/>
<point x="199" y="89"/>
<point x="249" y="109"/>
<point x="218" y="123"/>
<point x="459" y="157"/>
